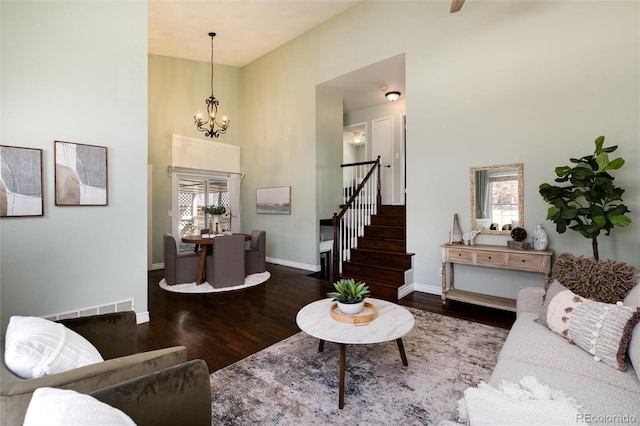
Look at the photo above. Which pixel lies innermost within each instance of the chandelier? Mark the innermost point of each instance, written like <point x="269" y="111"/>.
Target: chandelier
<point x="209" y="126"/>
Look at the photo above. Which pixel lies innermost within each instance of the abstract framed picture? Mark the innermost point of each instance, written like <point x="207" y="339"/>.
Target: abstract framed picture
<point x="80" y="174"/>
<point x="21" y="182"/>
<point x="273" y="200"/>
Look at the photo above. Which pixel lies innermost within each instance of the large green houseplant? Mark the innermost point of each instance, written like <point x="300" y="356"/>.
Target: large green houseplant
<point x="589" y="202"/>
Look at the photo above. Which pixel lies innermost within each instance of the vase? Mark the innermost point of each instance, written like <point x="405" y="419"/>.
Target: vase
<point x="539" y="239"/>
<point x="351" y="308"/>
<point x="216" y="221"/>
<point x="455" y="236"/>
<point x="210" y="224"/>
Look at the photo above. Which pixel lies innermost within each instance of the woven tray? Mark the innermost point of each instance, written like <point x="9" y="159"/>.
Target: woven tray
<point x="368" y="314"/>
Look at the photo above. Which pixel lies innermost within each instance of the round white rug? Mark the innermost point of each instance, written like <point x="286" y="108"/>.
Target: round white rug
<point x="205" y="287"/>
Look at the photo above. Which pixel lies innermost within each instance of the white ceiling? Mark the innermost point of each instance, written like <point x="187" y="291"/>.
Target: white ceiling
<point x="245" y="29"/>
<point x="248" y="29"/>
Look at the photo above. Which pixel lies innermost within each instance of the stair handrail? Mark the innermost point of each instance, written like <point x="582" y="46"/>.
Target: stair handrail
<point x="337" y="217"/>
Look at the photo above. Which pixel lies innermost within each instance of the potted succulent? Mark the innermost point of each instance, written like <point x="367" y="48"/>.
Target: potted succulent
<point x="350" y="295"/>
<point x="214" y="211"/>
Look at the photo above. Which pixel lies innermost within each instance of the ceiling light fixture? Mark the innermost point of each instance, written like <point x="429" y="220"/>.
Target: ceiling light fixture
<point x="393" y="96"/>
<point x="209" y="126"/>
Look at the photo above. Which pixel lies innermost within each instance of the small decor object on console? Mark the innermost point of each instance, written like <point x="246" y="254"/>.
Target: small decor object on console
<point x="455" y="236"/>
<point x="349" y="295"/>
<point x="539" y="239"/>
<point x="468" y="237"/>
<point x="518" y="234"/>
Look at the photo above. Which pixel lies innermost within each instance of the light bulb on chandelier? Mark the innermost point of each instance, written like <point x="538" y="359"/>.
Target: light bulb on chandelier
<point x="209" y="126"/>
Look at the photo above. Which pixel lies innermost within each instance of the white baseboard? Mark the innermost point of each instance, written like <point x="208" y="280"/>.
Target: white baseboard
<point x="427" y="288"/>
<point x="156" y="266"/>
<point x="298" y="265"/>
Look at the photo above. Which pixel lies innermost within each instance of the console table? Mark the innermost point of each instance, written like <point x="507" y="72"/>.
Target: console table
<point x="490" y="256"/>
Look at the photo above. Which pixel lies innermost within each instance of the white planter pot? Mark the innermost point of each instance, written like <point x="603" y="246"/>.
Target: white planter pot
<point x="351" y="308"/>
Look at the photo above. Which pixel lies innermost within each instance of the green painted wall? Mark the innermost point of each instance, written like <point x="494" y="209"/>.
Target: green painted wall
<point x="500" y="82"/>
<point x="77" y="72"/>
<point x="177" y="91"/>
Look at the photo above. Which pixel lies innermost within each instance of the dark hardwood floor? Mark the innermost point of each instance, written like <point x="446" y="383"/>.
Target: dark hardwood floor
<point x="223" y="328"/>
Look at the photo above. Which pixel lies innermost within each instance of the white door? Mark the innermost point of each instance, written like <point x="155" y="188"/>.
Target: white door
<point x="382" y="145"/>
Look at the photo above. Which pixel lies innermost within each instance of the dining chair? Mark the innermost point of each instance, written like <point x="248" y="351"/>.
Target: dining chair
<point x="224" y="267"/>
<point x="179" y="268"/>
<point x="254" y="255"/>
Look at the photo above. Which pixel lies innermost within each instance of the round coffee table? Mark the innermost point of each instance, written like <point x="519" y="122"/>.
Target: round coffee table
<point x="392" y="323"/>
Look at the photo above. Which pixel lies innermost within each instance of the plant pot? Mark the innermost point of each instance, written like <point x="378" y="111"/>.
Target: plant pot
<point x="351" y="308"/>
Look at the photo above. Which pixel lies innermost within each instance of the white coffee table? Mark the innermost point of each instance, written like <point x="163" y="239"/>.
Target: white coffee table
<point x="392" y="323"/>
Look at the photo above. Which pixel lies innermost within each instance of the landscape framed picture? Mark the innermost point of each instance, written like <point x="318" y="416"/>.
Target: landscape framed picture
<point x="273" y="200"/>
<point x="21" y="182"/>
<point x="80" y="174"/>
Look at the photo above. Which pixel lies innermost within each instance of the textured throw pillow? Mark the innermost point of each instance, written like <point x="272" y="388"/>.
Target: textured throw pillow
<point x="36" y="347"/>
<point x="602" y="329"/>
<point x="633" y="299"/>
<point x="50" y="406"/>
<point x="600" y="280"/>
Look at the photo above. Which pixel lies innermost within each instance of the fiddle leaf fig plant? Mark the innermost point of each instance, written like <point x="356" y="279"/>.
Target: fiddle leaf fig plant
<point x="589" y="202"/>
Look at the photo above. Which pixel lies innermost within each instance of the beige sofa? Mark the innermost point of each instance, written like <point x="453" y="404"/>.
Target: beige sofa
<point x="147" y="386"/>
<point x="608" y="396"/>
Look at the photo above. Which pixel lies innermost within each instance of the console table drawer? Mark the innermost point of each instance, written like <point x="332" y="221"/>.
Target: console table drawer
<point x="525" y="262"/>
<point x="490" y="258"/>
<point x="460" y="256"/>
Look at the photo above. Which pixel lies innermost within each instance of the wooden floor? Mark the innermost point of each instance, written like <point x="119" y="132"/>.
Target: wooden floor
<point x="223" y="328"/>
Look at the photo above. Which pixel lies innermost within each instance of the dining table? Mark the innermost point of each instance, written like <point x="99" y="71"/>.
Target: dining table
<point x="205" y="241"/>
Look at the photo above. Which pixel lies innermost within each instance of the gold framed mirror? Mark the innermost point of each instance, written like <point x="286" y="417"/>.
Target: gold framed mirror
<point x="497" y="198"/>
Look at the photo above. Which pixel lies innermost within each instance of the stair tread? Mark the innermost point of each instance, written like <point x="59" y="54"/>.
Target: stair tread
<point x="388" y="268"/>
<point x="383" y="251"/>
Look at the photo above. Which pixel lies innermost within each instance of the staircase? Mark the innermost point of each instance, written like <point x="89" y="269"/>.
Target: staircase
<point x="381" y="257"/>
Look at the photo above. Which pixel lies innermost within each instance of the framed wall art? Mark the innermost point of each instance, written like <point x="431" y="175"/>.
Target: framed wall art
<point x="273" y="200"/>
<point x="80" y="174"/>
<point x="21" y="182"/>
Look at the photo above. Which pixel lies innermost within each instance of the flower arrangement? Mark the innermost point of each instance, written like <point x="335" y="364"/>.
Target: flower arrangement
<point x="214" y="210"/>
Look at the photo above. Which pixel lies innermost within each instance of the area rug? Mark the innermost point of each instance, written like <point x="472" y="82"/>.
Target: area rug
<point x="205" y="287"/>
<point x="291" y="383"/>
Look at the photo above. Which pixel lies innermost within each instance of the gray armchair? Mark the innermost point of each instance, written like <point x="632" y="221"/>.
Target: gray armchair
<point x="115" y="336"/>
<point x="179" y="267"/>
<point x="254" y="255"/>
<point x="225" y="265"/>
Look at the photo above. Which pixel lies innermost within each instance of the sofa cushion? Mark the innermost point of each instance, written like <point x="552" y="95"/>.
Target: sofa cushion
<point x="533" y="344"/>
<point x="601" y="280"/>
<point x="50" y="406"/>
<point x="36" y="347"/>
<point x="602" y="329"/>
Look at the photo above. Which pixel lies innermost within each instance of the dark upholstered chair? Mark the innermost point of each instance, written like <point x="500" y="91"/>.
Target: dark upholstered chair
<point x="179" y="267"/>
<point x="225" y="266"/>
<point x="254" y="255"/>
<point x="166" y="387"/>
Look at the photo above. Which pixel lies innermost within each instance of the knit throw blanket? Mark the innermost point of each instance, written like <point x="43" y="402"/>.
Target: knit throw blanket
<point x="526" y="403"/>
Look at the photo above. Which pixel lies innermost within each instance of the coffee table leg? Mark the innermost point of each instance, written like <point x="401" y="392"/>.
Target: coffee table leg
<point x="321" y="346"/>
<point x="402" y="354"/>
<point x="343" y="350"/>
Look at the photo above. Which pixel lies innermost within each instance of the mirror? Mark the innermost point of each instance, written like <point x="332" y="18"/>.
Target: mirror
<point x="497" y="200"/>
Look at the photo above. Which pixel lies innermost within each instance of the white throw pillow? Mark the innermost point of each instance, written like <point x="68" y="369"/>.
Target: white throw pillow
<point x="50" y="406"/>
<point x="36" y="347"/>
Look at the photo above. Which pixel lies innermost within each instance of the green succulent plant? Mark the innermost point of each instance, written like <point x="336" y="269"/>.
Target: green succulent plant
<point x="590" y="203"/>
<point x="348" y="291"/>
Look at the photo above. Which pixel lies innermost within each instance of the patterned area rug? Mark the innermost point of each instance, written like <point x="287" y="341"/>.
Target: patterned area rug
<point x="205" y="287"/>
<point x="291" y="382"/>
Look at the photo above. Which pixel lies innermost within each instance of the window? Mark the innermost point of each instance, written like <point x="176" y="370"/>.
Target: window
<point x="504" y="198"/>
<point x="192" y="193"/>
